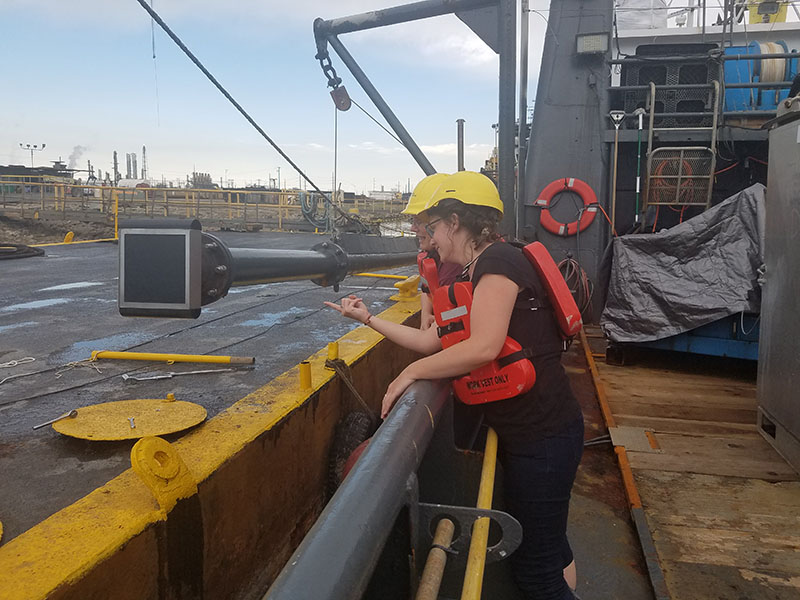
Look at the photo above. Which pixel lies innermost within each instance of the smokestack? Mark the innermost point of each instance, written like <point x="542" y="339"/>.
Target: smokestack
<point x="144" y="162"/>
<point x="135" y="168"/>
<point x="116" y="169"/>
<point x="460" y="123"/>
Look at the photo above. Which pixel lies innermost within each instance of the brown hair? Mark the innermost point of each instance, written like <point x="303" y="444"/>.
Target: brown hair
<point x="480" y="221"/>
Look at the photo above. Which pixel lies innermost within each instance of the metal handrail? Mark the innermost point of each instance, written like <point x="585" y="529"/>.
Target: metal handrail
<point x="698" y="57"/>
<point x="702" y="86"/>
<point x="336" y="558"/>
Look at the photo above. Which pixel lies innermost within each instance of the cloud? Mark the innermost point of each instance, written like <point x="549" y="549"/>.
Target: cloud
<point x="376" y="148"/>
<point x="443" y="40"/>
<point x="452" y="149"/>
<point x="440" y="149"/>
<point x="308" y="146"/>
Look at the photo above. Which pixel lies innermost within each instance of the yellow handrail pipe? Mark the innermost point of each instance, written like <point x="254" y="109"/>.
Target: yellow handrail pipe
<point x="173" y="358"/>
<point x="476" y="560"/>
<point x="380" y="275"/>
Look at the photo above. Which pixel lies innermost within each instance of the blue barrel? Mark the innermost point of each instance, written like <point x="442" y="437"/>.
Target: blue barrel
<point x="741" y="71"/>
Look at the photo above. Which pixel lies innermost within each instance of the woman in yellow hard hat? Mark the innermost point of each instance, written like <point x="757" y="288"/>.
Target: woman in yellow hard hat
<point x="448" y="272"/>
<point x="540" y="432"/>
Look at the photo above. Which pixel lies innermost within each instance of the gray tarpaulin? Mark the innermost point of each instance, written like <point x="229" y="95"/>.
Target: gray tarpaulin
<point x="695" y="273"/>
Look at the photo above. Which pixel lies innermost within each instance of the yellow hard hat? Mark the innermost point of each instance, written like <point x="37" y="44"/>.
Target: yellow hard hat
<point x="422" y="193"/>
<point x="470" y="188"/>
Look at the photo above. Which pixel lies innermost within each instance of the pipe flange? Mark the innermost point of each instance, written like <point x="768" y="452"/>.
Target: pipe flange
<point x="217" y="272"/>
<point x="339" y="271"/>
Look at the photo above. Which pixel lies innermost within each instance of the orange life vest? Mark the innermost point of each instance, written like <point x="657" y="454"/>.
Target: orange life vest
<point x="428" y="272"/>
<point x="567" y="313"/>
<point x="511" y="373"/>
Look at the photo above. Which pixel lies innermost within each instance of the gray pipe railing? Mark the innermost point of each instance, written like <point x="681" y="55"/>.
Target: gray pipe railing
<point x="336" y="559"/>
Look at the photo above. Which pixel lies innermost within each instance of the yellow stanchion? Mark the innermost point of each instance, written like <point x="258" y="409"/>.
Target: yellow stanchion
<point x="476" y="560"/>
<point x="305" y="375"/>
<point x="333" y="350"/>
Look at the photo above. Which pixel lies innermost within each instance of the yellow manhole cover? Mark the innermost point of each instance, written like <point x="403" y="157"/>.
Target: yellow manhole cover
<point x="131" y="419"/>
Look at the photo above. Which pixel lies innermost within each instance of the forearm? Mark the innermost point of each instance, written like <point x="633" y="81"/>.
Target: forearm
<point x="426" y="312"/>
<point x="454" y="361"/>
<point x="424" y="342"/>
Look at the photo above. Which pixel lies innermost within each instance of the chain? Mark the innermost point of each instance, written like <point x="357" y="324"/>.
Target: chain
<point x="334" y="81"/>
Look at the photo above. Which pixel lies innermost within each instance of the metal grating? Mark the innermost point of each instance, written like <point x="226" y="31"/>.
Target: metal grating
<point x="680" y="176"/>
<point x="672" y="100"/>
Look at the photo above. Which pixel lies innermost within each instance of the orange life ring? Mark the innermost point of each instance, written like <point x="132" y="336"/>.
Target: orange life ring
<point x="567" y="184"/>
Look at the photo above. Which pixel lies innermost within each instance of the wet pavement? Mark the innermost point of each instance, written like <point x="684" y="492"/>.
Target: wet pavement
<point x="59" y="308"/>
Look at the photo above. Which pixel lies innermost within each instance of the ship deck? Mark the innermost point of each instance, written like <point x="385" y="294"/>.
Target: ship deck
<point x="721" y="504"/>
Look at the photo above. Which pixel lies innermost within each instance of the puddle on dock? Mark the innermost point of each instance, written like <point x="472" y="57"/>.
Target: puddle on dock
<point x="17" y="325"/>
<point x="273" y="318"/>
<point x="35" y="304"/>
<point x="71" y="286"/>
<point x="83" y="349"/>
<point x="247" y="288"/>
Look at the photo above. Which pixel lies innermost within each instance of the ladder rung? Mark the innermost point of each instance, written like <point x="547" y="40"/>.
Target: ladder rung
<point x="683" y="128"/>
<point x="676" y="204"/>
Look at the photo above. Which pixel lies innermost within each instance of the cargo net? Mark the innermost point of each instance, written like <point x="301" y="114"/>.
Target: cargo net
<point x="680" y="176"/>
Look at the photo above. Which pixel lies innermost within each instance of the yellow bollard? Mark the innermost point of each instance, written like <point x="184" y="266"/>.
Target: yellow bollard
<point x="305" y="375"/>
<point x="333" y="350"/>
<point x="407" y="290"/>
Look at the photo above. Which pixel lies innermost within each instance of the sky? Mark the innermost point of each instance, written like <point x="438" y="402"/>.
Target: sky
<point x="83" y="81"/>
<point x="80" y="77"/>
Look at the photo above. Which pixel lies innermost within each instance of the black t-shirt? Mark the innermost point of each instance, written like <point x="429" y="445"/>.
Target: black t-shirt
<point x="550" y="405"/>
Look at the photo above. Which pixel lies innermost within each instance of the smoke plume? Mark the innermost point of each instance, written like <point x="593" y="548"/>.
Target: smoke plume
<point x="77" y="151"/>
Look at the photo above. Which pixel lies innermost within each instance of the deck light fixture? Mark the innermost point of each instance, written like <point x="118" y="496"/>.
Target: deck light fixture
<point x="592" y="43"/>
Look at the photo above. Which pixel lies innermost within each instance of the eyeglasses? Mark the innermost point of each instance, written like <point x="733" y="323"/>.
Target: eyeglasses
<point x="429" y="226"/>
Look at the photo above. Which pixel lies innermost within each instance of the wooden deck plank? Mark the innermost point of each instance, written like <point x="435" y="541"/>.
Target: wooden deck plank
<point x="673" y="389"/>
<point x="742" y="456"/>
<point x="677" y="411"/>
<point x="702" y="581"/>
<point x="645" y="375"/>
<point x="723" y="506"/>
<point x="686" y="426"/>
<point x="697" y="500"/>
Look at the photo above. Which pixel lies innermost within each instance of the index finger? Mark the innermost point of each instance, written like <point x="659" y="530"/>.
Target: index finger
<point x="333" y="305"/>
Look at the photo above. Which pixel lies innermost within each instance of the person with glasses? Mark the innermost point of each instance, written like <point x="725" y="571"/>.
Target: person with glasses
<point x="540" y="432"/>
<point x="448" y="272"/>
